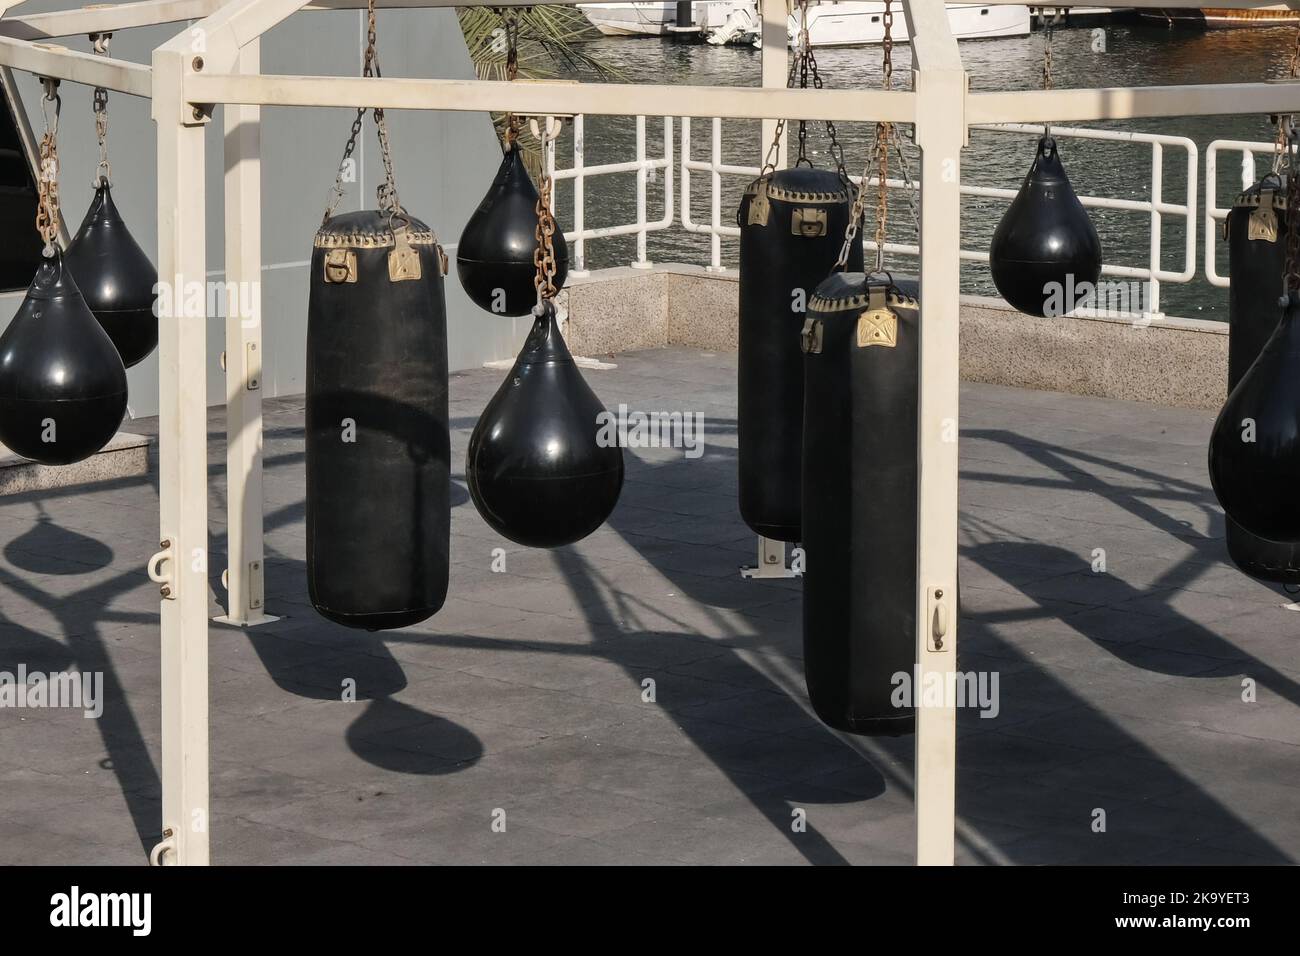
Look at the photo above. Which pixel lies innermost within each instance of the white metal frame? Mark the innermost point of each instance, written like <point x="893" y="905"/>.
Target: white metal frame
<point x="184" y="86"/>
<point x="1214" y="215"/>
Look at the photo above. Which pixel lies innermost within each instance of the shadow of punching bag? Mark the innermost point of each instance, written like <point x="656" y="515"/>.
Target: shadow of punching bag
<point x="861" y="345"/>
<point x="538" y="469"/>
<point x="494" y="258"/>
<point x="62" y="384"/>
<point x="792" y="223"/>
<point x="116" y="278"/>
<point x="1045" y="247"/>
<point x="1256" y="230"/>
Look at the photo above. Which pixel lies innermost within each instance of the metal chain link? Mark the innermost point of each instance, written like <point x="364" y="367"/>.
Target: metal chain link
<point x="879" y="156"/>
<point x="47" y="205"/>
<point x="804" y="68"/>
<point x="103" y="171"/>
<point x="1284" y="123"/>
<point x="544" y="254"/>
<point x="510" y="23"/>
<point x="1049" y="22"/>
<point x="1292" y="281"/>
<point x="387" y="190"/>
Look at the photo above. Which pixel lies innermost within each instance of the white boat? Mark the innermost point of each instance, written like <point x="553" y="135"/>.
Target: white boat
<point x="653" y="19"/>
<point x="859" y="24"/>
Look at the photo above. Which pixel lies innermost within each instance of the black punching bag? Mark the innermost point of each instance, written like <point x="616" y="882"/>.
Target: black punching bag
<point x="538" y="469"/>
<point x="792" y="225"/>
<point x="861" y="353"/>
<point x="495" y="257"/>
<point x="1256" y="261"/>
<point x="1045" y="242"/>
<point x="378" y="451"/>
<point x="1255" y="444"/>
<point x="116" y="278"/>
<point x="62" y="384"/>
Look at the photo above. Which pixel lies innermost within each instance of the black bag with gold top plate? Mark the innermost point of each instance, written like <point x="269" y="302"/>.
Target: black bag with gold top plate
<point x="378" y="452"/>
<point x="861" y="359"/>
<point x="792" y="224"/>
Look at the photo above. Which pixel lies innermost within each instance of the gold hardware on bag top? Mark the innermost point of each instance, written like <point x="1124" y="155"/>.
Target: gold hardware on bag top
<point x="760" y="206"/>
<point x="404" y="260"/>
<point x="808" y="222"/>
<point x="878" y="325"/>
<point x="1263" y="220"/>
<point x="810" y="339"/>
<point x="340" y="265"/>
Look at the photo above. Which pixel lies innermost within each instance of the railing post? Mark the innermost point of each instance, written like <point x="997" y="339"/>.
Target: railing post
<point x="181" y="566"/>
<point x="1152" y="309"/>
<point x="641" y="261"/>
<point x="579" y="195"/>
<point x="245" y="565"/>
<point x="715" y="199"/>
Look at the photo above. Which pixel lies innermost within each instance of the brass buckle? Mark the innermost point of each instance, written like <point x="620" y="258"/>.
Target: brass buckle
<point x="1263" y="219"/>
<point x="810" y="339"/>
<point x="340" y="266"/>
<point x="809" y="222"/>
<point x="760" y="206"/>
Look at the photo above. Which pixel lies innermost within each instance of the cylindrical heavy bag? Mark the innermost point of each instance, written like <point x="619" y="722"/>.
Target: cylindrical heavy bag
<point x="792" y="225"/>
<point x="378" y="451"/>
<point x="861" y="354"/>
<point x="1256" y="260"/>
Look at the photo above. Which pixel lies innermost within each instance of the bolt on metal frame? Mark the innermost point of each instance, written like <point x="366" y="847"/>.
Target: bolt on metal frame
<point x="184" y="86"/>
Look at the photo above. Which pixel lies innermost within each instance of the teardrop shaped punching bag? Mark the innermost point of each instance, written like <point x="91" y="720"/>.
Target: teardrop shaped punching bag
<point x="378" y="449"/>
<point x="116" y="278"/>
<point x="1255" y="444"/>
<point x="495" y="257"/>
<point x="539" y="469"/>
<point x="792" y="225"/>
<point x="62" y="384"/>
<point x="1045" y="248"/>
<point x="1256" y="261"/>
<point x="861" y="353"/>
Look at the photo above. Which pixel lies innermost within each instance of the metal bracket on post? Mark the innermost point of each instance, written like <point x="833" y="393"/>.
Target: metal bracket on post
<point x="771" y="561"/>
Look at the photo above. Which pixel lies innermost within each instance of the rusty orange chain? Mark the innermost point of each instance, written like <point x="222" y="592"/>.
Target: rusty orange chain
<point x="47" y="205"/>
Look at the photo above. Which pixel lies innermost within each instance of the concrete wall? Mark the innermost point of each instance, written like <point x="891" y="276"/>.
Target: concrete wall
<point x="443" y="162"/>
<point x="1181" y="362"/>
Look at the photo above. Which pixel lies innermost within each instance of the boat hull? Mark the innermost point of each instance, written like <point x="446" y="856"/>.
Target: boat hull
<point x="862" y="24"/>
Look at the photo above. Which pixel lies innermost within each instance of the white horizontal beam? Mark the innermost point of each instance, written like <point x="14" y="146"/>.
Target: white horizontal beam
<point x="108" y="18"/>
<point x="1082" y="105"/>
<point x="58" y="62"/>
<point x="542" y="98"/>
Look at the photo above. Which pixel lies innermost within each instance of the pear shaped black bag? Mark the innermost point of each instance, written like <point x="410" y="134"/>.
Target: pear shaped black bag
<point x="537" y="469"/>
<point x="378" y="450"/>
<point x="861" y="352"/>
<point x="792" y="224"/>
<point x="1256" y="232"/>
<point x="1045" y="254"/>
<point x="62" y="384"/>
<point x="116" y="278"/>
<point x="495" y="256"/>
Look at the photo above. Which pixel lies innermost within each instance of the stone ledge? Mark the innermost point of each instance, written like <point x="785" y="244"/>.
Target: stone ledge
<point x="1170" y="361"/>
<point x="125" y="456"/>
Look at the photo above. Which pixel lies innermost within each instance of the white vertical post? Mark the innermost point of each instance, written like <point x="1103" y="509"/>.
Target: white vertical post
<point x="244" y="577"/>
<point x="183" y="472"/>
<point x="641" y="176"/>
<point x="1152" y="309"/>
<point x="775" y="54"/>
<point x="940" y="86"/>
<point x="579" y="196"/>
<point x="715" y="198"/>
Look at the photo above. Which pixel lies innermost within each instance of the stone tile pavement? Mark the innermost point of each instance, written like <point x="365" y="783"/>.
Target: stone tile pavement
<point x="1120" y="691"/>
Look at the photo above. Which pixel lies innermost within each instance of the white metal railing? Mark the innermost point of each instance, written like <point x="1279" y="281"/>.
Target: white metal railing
<point x="643" y="166"/>
<point x="719" y="224"/>
<point x="1215" y="215"/>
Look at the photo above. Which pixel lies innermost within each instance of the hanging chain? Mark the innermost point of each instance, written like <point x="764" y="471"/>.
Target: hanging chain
<point x="879" y="156"/>
<point x="1292" y="281"/>
<point x="1284" y="123"/>
<point x="510" y="23"/>
<point x="804" y="69"/>
<point x="1049" y="22"/>
<point x="47" y="205"/>
<point x="387" y="191"/>
<point x="544" y="254"/>
<point x="103" y="172"/>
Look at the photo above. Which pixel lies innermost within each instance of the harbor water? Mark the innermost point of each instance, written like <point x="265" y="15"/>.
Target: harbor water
<point x="1127" y="54"/>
